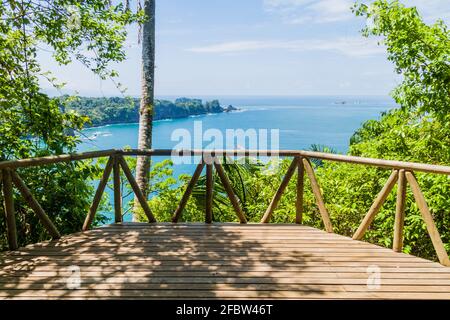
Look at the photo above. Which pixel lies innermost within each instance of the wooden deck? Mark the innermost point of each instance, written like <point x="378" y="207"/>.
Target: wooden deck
<point x="197" y="261"/>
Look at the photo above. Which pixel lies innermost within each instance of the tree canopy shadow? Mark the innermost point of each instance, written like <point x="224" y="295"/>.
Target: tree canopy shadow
<point x="143" y="261"/>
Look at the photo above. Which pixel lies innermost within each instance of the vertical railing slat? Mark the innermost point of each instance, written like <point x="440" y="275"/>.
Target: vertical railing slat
<point x="300" y="190"/>
<point x="117" y="191"/>
<point x="209" y="193"/>
<point x="9" y="209"/>
<point x="400" y="212"/>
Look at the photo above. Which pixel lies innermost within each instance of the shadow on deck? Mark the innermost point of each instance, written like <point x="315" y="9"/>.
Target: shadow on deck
<point x="199" y="261"/>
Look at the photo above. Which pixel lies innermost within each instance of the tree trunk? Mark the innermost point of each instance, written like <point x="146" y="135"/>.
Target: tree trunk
<point x="147" y="97"/>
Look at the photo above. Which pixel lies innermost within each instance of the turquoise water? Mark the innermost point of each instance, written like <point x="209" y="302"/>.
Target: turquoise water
<point x="301" y="121"/>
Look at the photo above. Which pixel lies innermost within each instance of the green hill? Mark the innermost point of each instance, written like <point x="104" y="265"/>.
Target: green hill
<point x="103" y="111"/>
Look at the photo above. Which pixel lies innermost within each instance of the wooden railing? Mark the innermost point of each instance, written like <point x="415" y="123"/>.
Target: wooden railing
<point x="402" y="174"/>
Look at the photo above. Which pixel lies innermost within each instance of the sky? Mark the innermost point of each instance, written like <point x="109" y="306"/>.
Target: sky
<point x="252" y="48"/>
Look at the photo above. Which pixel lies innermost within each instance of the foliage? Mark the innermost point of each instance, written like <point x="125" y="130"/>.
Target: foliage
<point x="418" y="131"/>
<point x="32" y="123"/>
<point x="420" y="53"/>
<point x="102" y="111"/>
<point x="92" y="31"/>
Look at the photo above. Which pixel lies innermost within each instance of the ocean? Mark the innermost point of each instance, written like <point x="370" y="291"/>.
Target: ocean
<point x="298" y="122"/>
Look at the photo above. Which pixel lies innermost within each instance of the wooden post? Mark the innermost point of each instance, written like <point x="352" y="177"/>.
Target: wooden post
<point x="209" y="193"/>
<point x="98" y="195"/>
<point x="117" y="191"/>
<point x="428" y="218"/>
<point x="376" y="206"/>
<point x="318" y="195"/>
<point x="300" y="189"/>
<point x="184" y="199"/>
<point x="34" y="204"/>
<point x="9" y="209"/>
<point x="276" y="198"/>
<point x="229" y="190"/>
<point x="137" y="191"/>
<point x="400" y="212"/>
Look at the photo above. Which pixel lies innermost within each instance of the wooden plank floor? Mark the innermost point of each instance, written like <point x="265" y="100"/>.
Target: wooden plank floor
<point x="198" y="261"/>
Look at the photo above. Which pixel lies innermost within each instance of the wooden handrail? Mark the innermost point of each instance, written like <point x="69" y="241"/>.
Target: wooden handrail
<point x="40" y="161"/>
<point x="388" y="164"/>
<point x="403" y="173"/>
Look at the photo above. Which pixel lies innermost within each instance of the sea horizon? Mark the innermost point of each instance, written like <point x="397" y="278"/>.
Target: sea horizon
<point x="316" y="114"/>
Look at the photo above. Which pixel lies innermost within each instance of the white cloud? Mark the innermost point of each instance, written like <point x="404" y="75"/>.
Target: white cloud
<point x="431" y="10"/>
<point x="236" y="46"/>
<point x="350" y="46"/>
<point x="315" y="11"/>
<point x="326" y="11"/>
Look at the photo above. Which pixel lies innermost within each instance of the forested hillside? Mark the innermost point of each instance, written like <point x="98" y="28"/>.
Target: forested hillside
<point x="103" y="111"/>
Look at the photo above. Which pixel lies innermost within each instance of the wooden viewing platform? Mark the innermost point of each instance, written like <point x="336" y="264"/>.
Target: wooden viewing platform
<point x="215" y="260"/>
<point x="198" y="261"/>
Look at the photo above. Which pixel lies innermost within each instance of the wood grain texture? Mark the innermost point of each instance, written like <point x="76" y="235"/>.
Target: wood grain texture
<point x="217" y="261"/>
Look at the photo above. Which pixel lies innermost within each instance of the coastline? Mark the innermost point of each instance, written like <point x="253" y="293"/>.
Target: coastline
<point x="109" y="124"/>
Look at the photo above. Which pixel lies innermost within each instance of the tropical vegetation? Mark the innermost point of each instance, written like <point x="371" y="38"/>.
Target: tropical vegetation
<point x="33" y="124"/>
<point x="417" y="131"/>
<point x="103" y="111"/>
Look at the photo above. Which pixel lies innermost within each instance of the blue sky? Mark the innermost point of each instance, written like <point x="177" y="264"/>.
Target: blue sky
<point x="253" y="47"/>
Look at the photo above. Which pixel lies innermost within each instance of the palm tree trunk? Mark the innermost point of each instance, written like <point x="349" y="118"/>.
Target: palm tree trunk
<point x="147" y="97"/>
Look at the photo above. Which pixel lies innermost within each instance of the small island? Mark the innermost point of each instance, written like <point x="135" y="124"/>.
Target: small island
<point x="114" y="110"/>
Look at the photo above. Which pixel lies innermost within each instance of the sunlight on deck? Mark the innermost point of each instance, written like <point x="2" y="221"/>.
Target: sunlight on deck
<point x="254" y="261"/>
